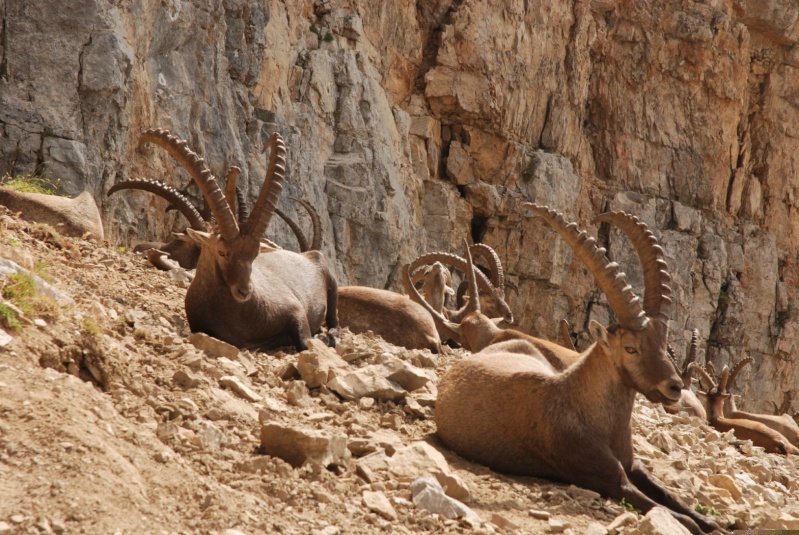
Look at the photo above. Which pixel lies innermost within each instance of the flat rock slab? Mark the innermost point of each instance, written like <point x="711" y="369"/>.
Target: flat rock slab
<point x="297" y="446"/>
<point x="70" y="217"/>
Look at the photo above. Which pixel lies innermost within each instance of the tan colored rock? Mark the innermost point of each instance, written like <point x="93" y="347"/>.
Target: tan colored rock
<point x="78" y="217"/>
<point x="296" y="446"/>
<point x="319" y="364"/>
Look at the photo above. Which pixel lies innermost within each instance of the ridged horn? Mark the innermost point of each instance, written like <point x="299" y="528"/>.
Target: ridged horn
<point x="264" y="207"/>
<point x="494" y="264"/>
<point x="175" y="198"/>
<point x="455" y="261"/>
<point x="231" y="190"/>
<point x="694" y="367"/>
<point x="450" y="329"/>
<point x="737" y="369"/>
<point x="565" y="336"/>
<point x="725" y="378"/>
<point x="474" y="295"/>
<point x="316" y="224"/>
<point x="295" y="228"/>
<point x="657" y="289"/>
<point x="201" y="175"/>
<point x="241" y="205"/>
<point x="610" y="279"/>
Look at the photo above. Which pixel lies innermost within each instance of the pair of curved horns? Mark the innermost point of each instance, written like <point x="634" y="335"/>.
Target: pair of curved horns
<point x="220" y="203"/>
<point x="611" y="280"/>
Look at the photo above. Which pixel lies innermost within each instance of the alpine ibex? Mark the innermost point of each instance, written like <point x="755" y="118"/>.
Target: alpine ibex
<point x="745" y="429"/>
<point x="515" y="414"/>
<point x="688" y="400"/>
<point x="244" y="292"/>
<point x="494" y="302"/>
<point x="183" y="249"/>
<point x="436" y="284"/>
<point x="782" y="423"/>
<point x="476" y="331"/>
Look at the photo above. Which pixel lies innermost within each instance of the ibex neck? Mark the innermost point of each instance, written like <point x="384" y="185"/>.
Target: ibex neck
<point x="597" y="384"/>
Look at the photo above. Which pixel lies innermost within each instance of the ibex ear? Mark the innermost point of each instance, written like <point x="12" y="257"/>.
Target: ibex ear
<point x="266" y="248"/>
<point x="199" y="237"/>
<point x="497" y="321"/>
<point x="449" y="291"/>
<point x="598" y="333"/>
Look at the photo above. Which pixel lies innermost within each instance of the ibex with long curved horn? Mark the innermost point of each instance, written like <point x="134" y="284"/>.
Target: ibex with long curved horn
<point x="783" y="423"/>
<point x="688" y="400"/>
<point x="517" y="415"/>
<point x="183" y="249"/>
<point x="745" y="429"/>
<point x="493" y="297"/>
<point x="239" y="295"/>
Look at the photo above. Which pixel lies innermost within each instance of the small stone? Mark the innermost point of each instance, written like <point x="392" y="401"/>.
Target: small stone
<point x="595" y="528"/>
<point x="39" y="322"/>
<point x="210" y="437"/>
<point x="17" y="519"/>
<point x="297" y="394"/>
<point x="622" y="520"/>
<point x="212" y="346"/>
<point x="558" y="525"/>
<point x="186" y="379"/>
<point x="366" y="403"/>
<point x="6" y="528"/>
<point x="235" y="384"/>
<point x="723" y="481"/>
<point x="5" y="338"/>
<point x="503" y="523"/>
<point x="378" y="503"/>
<point x="540" y="515"/>
<point x="428" y="495"/>
<point x="658" y="521"/>
<point x="296" y="446"/>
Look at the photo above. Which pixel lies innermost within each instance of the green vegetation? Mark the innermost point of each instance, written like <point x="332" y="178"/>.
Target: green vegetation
<point x="630" y="507"/>
<point x="9" y="318"/>
<point x="89" y="327"/>
<point x="315" y="29"/>
<point x="328" y="37"/>
<point x="20" y="290"/>
<point x="14" y="241"/>
<point x="30" y="184"/>
<point x="527" y="175"/>
<point x="705" y="510"/>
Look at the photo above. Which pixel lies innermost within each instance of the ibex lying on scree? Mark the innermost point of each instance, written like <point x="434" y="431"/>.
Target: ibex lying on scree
<point x="782" y="423"/>
<point x="494" y="302"/>
<point x="476" y="331"/>
<point x="392" y="316"/>
<point x="516" y="414"/>
<point x="760" y="434"/>
<point x="688" y="400"/>
<point x="238" y="295"/>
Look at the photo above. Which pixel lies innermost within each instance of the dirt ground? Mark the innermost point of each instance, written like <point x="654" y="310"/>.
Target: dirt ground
<point x="112" y="422"/>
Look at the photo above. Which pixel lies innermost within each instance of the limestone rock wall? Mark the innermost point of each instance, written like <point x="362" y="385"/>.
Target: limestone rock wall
<point x="414" y="125"/>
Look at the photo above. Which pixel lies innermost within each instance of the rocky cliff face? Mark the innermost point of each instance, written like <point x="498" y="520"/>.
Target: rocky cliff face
<point x="414" y="125"/>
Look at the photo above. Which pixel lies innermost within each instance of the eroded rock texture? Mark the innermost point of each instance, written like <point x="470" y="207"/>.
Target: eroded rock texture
<point x="412" y="125"/>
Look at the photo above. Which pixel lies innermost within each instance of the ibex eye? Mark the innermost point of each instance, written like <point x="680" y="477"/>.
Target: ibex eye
<point x="631" y="350"/>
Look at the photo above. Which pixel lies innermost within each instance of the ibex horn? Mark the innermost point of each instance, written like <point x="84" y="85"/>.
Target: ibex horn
<point x="657" y="292"/>
<point x="494" y="264"/>
<point x="270" y="190"/>
<point x="611" y="280"/>
<point x="201" y="175"/>
<point x="169" y="193"/>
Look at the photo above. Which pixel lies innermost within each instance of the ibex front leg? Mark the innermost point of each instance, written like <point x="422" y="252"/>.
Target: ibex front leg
<point x="646" y="483"/>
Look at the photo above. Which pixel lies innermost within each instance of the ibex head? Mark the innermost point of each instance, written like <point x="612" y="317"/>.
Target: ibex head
<point x="637" y="343"/>
<point x="230" y="249"/>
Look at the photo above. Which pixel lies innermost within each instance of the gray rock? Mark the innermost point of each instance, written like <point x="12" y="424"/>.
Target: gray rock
<point x="428" y="495"/>
<point x="420" y="459"/>
<point x="369" y="381"/>
<point x="7" y="267"/>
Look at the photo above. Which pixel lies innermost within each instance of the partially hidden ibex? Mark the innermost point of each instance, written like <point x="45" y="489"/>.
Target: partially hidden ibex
<point x="745" y="429"/>
<point x="493" y="297"/>
<point x="475" y="331"/>
<point x="245" y="292"/>
<point x="516" y="414"/>
<point x="688" y="403"/>
<point x="782" y="423"/>
<point x="436" y="282"/>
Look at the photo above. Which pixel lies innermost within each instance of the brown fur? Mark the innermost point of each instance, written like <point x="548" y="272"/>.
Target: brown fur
<point x="516" y="414"/>
<point x="390" y="315"/>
